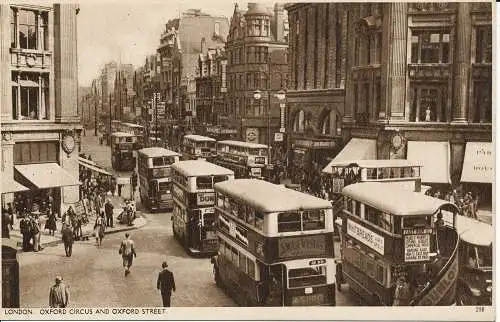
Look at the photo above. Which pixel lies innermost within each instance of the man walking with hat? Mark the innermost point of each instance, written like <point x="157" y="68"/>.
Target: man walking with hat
<point x="59" y="294"/>
<point x="165" y="284"/>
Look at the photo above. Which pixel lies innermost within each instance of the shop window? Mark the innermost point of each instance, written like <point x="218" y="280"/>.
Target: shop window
<point x="428" y="103"/>
<point x="430" y="47"/>
<point x="332" y="123"/>
<point x="299" y="122"/>
<point x="483" y="44"/>
<point x="482" y="106"/>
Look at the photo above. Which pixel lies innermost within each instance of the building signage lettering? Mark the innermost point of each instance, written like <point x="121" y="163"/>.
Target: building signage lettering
<point x="440" y="289"/>
<point x="301" y="246"/>
<point x="205" y="198"/>
<point x="417" y="247"/>
<point x="366" y="236"/>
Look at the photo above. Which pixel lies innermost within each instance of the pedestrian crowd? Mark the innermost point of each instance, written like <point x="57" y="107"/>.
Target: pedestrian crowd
<point x="465" y="201"/>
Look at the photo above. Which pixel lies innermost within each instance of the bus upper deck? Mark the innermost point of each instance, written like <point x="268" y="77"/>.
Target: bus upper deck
<point x="122" y="151"/>
<point x="197" y="146"/>
<point x="244" y="158"/>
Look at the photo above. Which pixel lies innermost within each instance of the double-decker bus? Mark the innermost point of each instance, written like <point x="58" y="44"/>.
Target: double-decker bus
<point x="155" y="177"/>
<point x="393" y="239"/>
<point x="247" y="160"/>
<point x="193" y="219"/>
<point x="197" y="146"/>
<point x="137" y="130"/>
<point x="476" y="262"/>
<point x="275" y="245"/>
<point x="122" y="151"/>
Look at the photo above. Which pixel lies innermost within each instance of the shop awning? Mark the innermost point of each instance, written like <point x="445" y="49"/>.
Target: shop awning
<point x="356" y="149"/>
<point x="46" y="175"/>
<point x="10" y="185"/>
<point x="94" y="167"/>
<point x="435" y="158"/>
<point x="478" y="162"/>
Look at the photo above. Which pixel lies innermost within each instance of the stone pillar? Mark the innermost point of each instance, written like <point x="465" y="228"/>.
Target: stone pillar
<point x="5" y="79"/>
<point x="320" y="50"/>
<point x="7" y="159"/>
<point x="301" y="53"/>
<point x="349" y="101"/>
<point x="397" y="62"/>
<point x="331" y="45"/>
<point x="65" y="63"/>
<point x="311" y="50"/>
<point x="292" y="62"/>
<point x="461" y="66"/>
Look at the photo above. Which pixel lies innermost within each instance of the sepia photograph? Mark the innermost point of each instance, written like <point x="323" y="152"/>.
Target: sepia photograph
<point x="160" y="159"/>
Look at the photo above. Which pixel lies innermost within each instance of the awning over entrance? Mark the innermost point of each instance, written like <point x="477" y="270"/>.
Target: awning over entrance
<point x="435" y="158"/>
<point x="10" y="185"/>
<point x="94" y="167"/>
<point x="356" y="149"/>
<point x="478" y="162"/>
<point x="46" y="175"/>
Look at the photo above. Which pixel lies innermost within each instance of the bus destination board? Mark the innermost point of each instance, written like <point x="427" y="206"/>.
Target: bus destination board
<point x="366" y="236"/>
<point x="302" y="246"/>
<point x="417" y="247"/>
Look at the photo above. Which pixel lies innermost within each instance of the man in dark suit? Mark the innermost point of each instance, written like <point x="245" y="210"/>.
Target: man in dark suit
<point x="165" y="284"/>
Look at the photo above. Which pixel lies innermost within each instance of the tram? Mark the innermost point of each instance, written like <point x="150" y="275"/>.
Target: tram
<point x="275" y="245"/>
<point x="247" y="160"/>
<point x="193" y="217"/>
<point x="197" y="146"/>
<point x="122" y="151"/>
<point x="476" y="259"/>
<point x="393" y="239"/>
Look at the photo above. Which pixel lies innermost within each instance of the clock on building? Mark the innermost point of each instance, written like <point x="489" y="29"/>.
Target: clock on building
<point x="68" y="143"/>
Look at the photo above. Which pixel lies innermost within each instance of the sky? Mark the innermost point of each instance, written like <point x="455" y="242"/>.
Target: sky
<point x="129" y="31"/>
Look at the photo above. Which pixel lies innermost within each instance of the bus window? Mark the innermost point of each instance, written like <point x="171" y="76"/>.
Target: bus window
<point x="484" y="256"/>
<point x="169" y="160"/>
<point x="313" y="219"/>
<point x="371" y="174"/>
<point x="204" y="182"/>
<point x="308" y="276"/>
<point x="357" y="207"/>
<point x="396" y="225"/>
<point x="220" y="200"/>
<point x="233" y="208"/>
<point x="288" y="221"/>
<point x="259" y="220"/>
<point x="263" y="152"/>
<point x="242" y="212"/>
<point x="129" y="139"/>
<point x="420" y="221"/>
<point x="209" y="219"/>
<point x="253" y="151"/>
<point x="153" y="186"/>
<point x="250" y="216"/>
<point x="157" y="162"/>
<point x="220" y="179"/>
<point x="126" y="154"/>
<point x="415" y="172"/>
<point x="379" y="273"/>
<point x="164" y="187"/>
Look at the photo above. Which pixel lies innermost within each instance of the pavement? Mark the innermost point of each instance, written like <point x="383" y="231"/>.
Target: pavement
<point x="47" y="240"/>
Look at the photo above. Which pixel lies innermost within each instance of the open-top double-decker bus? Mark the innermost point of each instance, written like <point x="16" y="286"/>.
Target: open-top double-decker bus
<point x="392" y="238"/>
<point x="193" y="218"/>
<point x="276" y="245"/>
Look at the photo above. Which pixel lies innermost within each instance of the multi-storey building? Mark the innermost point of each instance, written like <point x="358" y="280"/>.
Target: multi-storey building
<point x="180" y="46"/>
<point x="257" y="60"/>
<point x="417" y="85"/>
<point x="39" y="114"/>
<point x="211" y="91"/>
<point x="316" y="87"/>
<point x="124" y="91"/>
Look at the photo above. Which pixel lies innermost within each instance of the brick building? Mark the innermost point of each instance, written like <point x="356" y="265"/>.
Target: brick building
<point x="257" y="60"/>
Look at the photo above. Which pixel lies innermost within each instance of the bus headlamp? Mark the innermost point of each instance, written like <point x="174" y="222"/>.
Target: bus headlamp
<point x="475" y="291"/>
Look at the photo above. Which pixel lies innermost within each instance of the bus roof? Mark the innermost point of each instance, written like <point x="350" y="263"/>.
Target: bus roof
<point x="157" y="152"/>
<point x="475" y="232"/>
<point x="194" y="168"/>
<point x="244" y="144"/>
<point x="197" y="137"/>
<point x="372" y="164"/>
<point x="133" y="125"/>
<point x="268" y="197"/>
<point x="395" y="200"/>
<point x="122" y="134"/>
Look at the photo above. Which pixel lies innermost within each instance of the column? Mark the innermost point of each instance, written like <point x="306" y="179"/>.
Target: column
<point x="65" y="63"/>
<point x="311" y="36"/>
<point x="292" y="63"/>
<point x="40" y="102"/>
<point x="461" y="67"/>
<point x="18" y="109"/>
<point x="7" y="158"/>
<point x="321" y="42"/>
<point x="301" y="53"/>
<point x="331" y="45"/>
<point x="349" y="102"/>
<point x="397" y="61"/>
<point x="344" y="14"/>
<point x="5" y="79"/>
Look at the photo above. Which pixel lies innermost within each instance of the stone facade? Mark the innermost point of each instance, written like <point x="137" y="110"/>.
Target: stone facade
<point x="39" y="85"/>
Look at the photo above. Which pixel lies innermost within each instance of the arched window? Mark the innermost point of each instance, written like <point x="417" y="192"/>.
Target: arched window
<point x="299" y="122"/>
<point x="331" y="124"/>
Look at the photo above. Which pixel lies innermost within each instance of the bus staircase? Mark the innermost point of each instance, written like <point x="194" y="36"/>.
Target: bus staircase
<point x="440" y="289"/>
